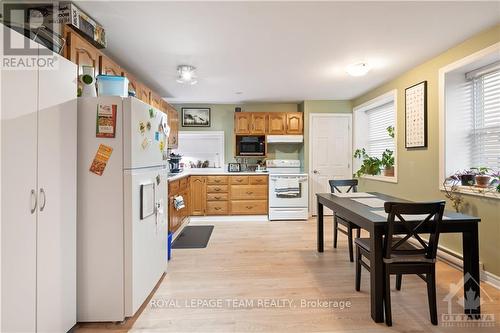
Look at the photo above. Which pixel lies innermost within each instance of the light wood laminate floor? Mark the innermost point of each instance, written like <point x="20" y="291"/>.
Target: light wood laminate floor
<point x="275" y="266"/>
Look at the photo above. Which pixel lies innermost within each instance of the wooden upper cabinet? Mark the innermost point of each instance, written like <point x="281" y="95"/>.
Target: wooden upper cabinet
<point x="259" y="123"/>
<point x="173" y="123"/>
<point x="81" y="52"/>
<point x="109" y="67"/>
<point x="132" y="82"/>
<point x="155" y="100"/>
<point x="242" y="122"/>
<point x="277" y="123"/>
<point x="143" y="93"/>
<point x="294" y="123"/>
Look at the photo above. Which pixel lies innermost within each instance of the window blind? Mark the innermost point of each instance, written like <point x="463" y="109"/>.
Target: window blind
<point x="486" y="121"/>
<point x="379" y="118"/>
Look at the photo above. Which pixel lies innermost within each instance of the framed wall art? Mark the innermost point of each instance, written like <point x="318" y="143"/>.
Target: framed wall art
<point x="195" y="117"/>
<point x="416" y="116"/>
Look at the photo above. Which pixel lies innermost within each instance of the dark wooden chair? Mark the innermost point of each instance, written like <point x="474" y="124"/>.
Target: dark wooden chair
<point x="334" y="187"/>
<point x="402" y="257"/>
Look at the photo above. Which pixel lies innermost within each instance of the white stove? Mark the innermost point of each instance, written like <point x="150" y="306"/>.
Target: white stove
<point x="288" y="190"/>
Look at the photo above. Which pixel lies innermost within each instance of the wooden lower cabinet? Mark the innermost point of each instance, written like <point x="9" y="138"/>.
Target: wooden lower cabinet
<point x="217" y="195"/>
<point x="198" y="197"/>
<point x="249" y="207"/>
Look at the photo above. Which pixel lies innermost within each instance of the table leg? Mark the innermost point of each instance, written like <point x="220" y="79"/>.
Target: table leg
<point x="470" y="242"/>
<point x="377" y="275"/>
<point x="320" y="227"/>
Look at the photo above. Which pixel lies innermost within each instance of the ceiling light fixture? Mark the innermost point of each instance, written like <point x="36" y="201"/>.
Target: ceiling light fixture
<point x="186" y="74"/>
<point x="358" y="69"/>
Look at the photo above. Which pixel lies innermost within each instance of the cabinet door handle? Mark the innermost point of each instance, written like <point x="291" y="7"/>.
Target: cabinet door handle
<point x="34" y="201"/>
<point x="42" y="194"/>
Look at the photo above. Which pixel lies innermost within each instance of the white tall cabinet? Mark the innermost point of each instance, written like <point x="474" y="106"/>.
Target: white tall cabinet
<point x="38" y="198"/>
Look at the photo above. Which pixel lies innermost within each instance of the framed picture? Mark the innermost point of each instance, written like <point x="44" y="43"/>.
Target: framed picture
<point x="234" y="167"/>
<point x="195" y="117"/>
<point x="416" y="116"/>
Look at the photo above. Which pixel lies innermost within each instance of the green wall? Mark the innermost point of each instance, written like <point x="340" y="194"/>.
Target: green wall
<point x="222" y="119"/>
<point x="418" y="174"/>
<point x="311" y="106"/>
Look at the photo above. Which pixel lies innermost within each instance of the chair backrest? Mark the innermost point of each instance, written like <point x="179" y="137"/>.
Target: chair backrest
<point x="429" y="214"/>
<point x="352" y="183"/>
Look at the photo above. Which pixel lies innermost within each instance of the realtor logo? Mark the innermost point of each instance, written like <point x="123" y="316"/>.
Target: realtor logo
<point x="31" y="19"/>
<point x="470" y="303"/>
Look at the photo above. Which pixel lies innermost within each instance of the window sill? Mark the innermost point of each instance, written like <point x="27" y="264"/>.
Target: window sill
<point x="381" y="178"/>
<point x="476" y="191"/>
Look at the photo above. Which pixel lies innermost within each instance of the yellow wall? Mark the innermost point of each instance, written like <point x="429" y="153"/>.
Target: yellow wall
<point x="418" y="174"/>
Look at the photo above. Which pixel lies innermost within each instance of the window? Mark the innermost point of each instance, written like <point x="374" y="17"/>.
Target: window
<point x="486" y="120"/>
<point x="379" y="118"/>
<point x="469" y="94"/>
<point x="371" y="121"/>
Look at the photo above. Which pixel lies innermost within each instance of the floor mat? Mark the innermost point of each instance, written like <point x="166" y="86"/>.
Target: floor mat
<point x="193" y="237"/>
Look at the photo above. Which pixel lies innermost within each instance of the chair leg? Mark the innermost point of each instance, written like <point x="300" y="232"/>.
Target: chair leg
<point x="358" y="269"/>
<point x="431" y="293"/>
<point x="335" y="230"/>
<point x="349" y="239"/>
<point x="387" y="300"/>
<point x="399" y="278"/>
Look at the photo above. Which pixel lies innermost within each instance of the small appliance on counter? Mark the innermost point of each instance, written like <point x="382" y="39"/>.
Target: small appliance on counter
<point x="175" y="163"/>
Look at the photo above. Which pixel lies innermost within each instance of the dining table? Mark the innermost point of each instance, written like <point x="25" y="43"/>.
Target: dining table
<point x="366" y="210"/>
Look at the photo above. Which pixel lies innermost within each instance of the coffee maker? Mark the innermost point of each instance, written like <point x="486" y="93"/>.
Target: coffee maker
<point x="175" y="163"/>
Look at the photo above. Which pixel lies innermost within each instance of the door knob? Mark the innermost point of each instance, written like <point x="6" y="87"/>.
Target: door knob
<point x="316" y="172"/>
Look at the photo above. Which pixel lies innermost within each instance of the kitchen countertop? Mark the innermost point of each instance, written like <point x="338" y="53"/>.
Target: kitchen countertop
<point x="212" y="171"/>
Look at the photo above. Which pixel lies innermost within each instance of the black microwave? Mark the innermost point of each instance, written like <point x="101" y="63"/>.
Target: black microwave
<point x="251" y="146"/>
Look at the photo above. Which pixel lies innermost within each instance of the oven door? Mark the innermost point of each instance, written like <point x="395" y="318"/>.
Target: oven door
<point x="278" y="200"/>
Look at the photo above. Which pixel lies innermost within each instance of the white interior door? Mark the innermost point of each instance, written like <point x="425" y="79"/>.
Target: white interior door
<point x="19" y="185"/>
<point x="330" y="152"/>
<point x="56" y="234"/>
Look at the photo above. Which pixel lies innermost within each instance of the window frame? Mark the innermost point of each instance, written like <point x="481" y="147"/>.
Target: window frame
<point x="387" y="97"/>
<point x="490" y="51"/>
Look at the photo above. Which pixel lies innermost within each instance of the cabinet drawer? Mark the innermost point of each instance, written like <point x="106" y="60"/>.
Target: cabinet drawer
<point x="217" y="180"/>
<point x="217" y="196"/>
<point x="258" y="180"/>
<point x="217" y="208"/>
<point x="248" y="192"/>
<point x="255" y="207"/>
<point x="217" y="189"/>
<point x="239" y="180"/>
<point x="173" y="187"/>
<point x="183" y="183"/>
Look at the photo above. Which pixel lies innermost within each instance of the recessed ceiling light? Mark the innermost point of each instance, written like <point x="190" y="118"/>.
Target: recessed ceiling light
<point x="186" y="74"/>
<point x="358" y="69"/>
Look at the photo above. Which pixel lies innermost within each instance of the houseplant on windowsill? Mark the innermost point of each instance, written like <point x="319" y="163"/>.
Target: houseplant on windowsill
<point x="452" y="193"/>
<point x="483" y="179"/>
<point x="370" y="165"/>
<point x="466" y="177"/>
<point x="388" y="162"/>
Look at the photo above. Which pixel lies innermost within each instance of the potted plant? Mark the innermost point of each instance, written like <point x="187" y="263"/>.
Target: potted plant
<point x="496" y="181"/>
<point x="483" y="179"/>
<point x="466" y="177"/>
<point x="452" y="193"/>
<point x="370" y="165"/>
<point x="388" y="162"/>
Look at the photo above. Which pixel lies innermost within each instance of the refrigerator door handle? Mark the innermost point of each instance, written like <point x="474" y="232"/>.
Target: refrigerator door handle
<point x="34" y="201"/>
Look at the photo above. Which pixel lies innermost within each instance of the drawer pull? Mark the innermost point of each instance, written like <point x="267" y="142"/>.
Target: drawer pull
<point x="217" y="180"/>
<point x="239" y="180"/>
<point x="217" y="208"/>
<point x="249" y="192"/>
<point x="249" y="207"/>
<point x="217" y="198"/>
<point x="217" y="189"/>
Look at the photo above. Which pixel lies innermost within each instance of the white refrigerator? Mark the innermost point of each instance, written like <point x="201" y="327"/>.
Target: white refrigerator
<point x="122" y="206"/>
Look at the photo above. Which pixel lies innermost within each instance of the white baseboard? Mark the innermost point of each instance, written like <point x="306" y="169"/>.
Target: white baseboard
<point x="455" y="259"/>
<point x="230" y="218"/>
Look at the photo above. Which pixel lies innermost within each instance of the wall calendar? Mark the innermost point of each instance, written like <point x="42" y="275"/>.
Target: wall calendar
<point x="416" y="115"/>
